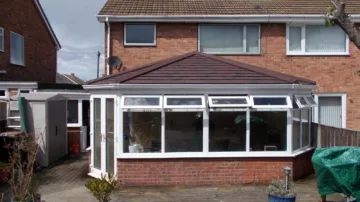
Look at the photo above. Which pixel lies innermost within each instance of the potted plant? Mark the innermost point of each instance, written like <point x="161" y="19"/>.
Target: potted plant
<point x="102" y="188"/>
<point x="279" y="191"/>
<point x="23" y="153"/>
<point x="139" y="140"/>
<point x="5" y="169"/>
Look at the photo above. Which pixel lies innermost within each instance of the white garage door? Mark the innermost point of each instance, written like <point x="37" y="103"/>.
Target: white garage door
<point x="330" y="111"/>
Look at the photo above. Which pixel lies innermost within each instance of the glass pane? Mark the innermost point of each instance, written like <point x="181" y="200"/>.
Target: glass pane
<point x="16" y="49"/>
<point x="268" y="131"/>
<point x="221" y="38"/>
<point x="302" y="101"/>
<point x="73" y="111"/>
<point x="110" y="135"/>
<point x="296" y="130"/>
<point x="130" y="101"/>
<point x="305" y="127"/>
<point x="252" y="39"/>
<point x="322" y="39"/>
<point x="97" y="133"/>
<point x="229" y="101"/>
<point x="2" y="93"/>
<point x="270" y="101"/>
<point x="227" y="131"/>
<point x="1" y="40"/>
<point x="184" y="101"/>
<point x="142" y="132"/>
<point x="311" y="100"/>
<point x="294" y="38"/>
<point x="183" y="132"/>
<point x="140" y="34"/>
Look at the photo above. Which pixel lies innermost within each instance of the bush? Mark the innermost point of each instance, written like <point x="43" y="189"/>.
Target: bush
<point x="102" y="188"/>
<point x="278" y="188"/>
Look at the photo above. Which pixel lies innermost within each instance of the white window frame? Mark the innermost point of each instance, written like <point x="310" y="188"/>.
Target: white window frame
<point x="249" y="103"/>
<point x="141" y="106"/>
<point x="343" y="106"/>
<point x="23" y="50"/>
<point x="309" y="103"/>
<point x="309" y="121"/>
<point x="140" y="44"/>
<point x="303" y="38"/>
<point x="6" y="96"/>
<point x="244" y="40"/>
<point x="202" y="106"/>
<point x="287" y="106"/>
<point x="80" y="114"/>
<point x="19" y="93"/>
<point x="2" y="49"/>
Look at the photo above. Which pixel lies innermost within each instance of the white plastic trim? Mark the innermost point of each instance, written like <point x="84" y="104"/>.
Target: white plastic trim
<point x="288" y="101"/>
<point x="166" y="106"/>
<point x="211" y="98"/>
<point x="141" y="106"/>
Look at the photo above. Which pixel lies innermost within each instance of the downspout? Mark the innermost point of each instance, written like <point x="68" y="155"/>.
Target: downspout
<point x="108" y="44"/>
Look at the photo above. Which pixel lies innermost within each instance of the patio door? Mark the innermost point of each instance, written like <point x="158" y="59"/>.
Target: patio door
<point x="102" y="135"/>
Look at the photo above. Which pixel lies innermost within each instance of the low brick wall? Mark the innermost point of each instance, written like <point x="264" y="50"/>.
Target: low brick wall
<point x="210" y="171"/>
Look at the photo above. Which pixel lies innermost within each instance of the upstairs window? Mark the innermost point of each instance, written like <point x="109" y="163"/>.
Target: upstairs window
<point x="229" y="39"/>
<point x="1" y="39"/>
<point x="140" y="34"/>
<point x="316" y="40"/>
<point x="16" y="49"/>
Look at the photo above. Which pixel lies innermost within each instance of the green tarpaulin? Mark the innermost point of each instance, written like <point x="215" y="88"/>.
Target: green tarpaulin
<point x="337" y="170"/>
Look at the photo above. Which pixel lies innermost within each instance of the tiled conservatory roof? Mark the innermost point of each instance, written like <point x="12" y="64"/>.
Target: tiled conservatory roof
<point x="200" y="68"/>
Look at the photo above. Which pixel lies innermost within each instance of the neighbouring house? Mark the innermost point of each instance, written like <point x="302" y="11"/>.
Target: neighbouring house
<point x="69" y="79"/>
<point x="215" y="92"/>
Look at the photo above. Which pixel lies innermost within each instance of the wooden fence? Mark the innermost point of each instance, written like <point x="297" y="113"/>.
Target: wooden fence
<point x="327" y="136"/>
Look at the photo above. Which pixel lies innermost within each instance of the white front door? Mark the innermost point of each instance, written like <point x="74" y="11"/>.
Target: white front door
<point x="102" y="135"/>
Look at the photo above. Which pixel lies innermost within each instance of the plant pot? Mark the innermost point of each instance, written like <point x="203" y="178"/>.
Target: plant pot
<point x="136" y="148"/>
<point x="273" y="198"/>
<point x="23" y="201"/>
<point x="4" y="173"/>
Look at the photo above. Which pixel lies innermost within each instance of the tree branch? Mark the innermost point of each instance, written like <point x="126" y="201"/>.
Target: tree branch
<point x="337" y="16"/>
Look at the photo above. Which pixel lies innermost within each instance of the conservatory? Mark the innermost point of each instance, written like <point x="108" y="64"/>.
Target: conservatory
<point x="199" y="119"/>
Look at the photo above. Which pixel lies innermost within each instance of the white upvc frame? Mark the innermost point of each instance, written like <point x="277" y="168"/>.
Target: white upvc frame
<point x="142" y="106"/>
<point x="303" y="44"/>
<point x="287" y="106"/>
<point x="80" y="114"/>
<point x="140" y="44"/>
<point x="2" y="34"/>
<point x="23" y="49"/>
<point x="310" y="104"/>
<point x="211" y="104"/>
<point x="244" y="40"/>
<point x="343" y="106"/>
<point x="202" y="106"/>
<point x="6" y="96"/>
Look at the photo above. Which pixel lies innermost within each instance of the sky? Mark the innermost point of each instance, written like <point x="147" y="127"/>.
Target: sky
<point x="80" y="34"/>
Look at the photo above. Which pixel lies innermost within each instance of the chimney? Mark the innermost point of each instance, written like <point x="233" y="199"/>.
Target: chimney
<point x="72" y="74"/>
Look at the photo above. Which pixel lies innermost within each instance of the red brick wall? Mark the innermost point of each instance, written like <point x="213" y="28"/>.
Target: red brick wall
<point x="332" y="73"/>
<point x="203" y="171"/>
<point x="22" y="17"/>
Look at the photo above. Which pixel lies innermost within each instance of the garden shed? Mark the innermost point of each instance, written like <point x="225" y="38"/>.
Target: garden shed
<point x="199" y="119"/>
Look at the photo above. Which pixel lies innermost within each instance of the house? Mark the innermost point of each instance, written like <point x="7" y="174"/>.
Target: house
<point x="68" y="78"/>
<point x="214" y="92"/>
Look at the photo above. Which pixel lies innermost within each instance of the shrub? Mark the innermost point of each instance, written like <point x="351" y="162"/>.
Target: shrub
<point x="102" y="188"/>
<point x="278" y="188"/>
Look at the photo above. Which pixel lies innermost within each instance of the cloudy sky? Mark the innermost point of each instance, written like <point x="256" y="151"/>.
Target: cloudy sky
<point x="80" y="35"/>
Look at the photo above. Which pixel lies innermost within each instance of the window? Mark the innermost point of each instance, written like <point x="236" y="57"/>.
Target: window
<point x="2" y="93"/>
<point x="229" y="101"/>
<point x="227" y="131"/>
<point x="129" y="102"/>
<point x="184" y="102"/>
<point x="271" y="101"/>
<point x="304" y="101"/>
<point x="73" y="111"/>
<point x="142" y="132"/>
<point x="183" y="131"/>
<point x="296" y="129"/>
<point x="305" y="127"/>
<point x="229" y="39"/>
<point x="316" y="40"/>
<point x="1" y="39"/>
<point x="16" y="49"/>
<point x="140" y="34"/>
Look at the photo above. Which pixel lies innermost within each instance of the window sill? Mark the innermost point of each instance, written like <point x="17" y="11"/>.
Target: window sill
<point x="21" y="65"/>
<point x="73" y="125"/>
<point x="234" y="54"/>
<point x="139" y="45"/>
<point x="210" y="155"/>
<point x="317" y="54"/>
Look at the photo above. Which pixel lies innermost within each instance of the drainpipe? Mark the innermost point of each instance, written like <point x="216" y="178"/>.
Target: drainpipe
<point x="108" y="45"/>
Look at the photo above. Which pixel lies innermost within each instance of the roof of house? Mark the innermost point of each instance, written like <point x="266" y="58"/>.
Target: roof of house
<point x="47" y="24"/>
<point x="200" y="68"/>
<point x="68" y="79"/>
<point x="221" y="7"/>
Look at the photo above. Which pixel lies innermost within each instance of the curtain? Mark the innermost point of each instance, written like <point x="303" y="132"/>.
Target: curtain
<point x="221" y="38"/>
<point x="294" y="38"/>
<point x="320" y="38"/>
<point x="252" y="39"/>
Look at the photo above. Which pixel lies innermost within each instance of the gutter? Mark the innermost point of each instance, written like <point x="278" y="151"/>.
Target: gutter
<point x="272" y="18"/>
<point x="14" y="84"/>
<point x="108" y="45"/>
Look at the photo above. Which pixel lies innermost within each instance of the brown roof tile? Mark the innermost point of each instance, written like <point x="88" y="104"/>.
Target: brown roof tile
<point x="200" y="68"/>
<point x="221" y="7"/>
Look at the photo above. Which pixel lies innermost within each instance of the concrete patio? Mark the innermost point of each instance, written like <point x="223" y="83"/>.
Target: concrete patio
<point x="64" y="182"/>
